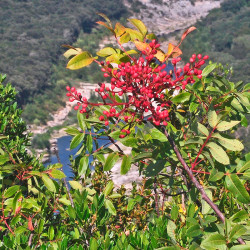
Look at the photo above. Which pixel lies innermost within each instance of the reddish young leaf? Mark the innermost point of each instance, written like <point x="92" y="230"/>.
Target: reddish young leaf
<point x="187" y="32"/>
<point x="30" y="225"/>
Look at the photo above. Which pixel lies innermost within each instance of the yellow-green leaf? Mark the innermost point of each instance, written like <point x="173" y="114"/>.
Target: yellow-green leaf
<point x="223" y="126"/>
<point x="76" y="185"/>
<point x="80" y="61"/>
<point x="139" y="25"/>
<point x="134" y="34"/>
<point x="212" y="118"/>
<point x="231" y="144"/>
<point x="72" y="52"/>
<point x="106" y="52"/>
<point x="126" y="164"/>
<point x="218" y="153"/>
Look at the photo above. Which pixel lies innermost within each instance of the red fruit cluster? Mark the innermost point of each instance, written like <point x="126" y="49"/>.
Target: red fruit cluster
<point x="144" y="84"/>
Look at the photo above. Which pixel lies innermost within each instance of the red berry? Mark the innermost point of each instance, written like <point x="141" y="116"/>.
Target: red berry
<point x="68" y="88"/>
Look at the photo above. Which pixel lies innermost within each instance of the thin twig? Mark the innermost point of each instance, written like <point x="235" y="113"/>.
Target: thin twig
<point x="196" y="183"/>
<point x="156" y="198"/>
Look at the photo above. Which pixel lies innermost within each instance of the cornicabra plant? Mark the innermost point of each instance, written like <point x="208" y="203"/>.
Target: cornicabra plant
<point x="141" y="91"/>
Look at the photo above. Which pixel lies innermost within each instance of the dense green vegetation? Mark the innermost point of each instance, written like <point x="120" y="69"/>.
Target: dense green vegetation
<point x="225" y="36"/>
<point x="32" y="33"/>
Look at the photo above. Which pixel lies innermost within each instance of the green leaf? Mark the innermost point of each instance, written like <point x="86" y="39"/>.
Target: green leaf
<point x="134" y="34"/>
<point x="126" y="164"/>
<point x="72" y="52"/>
<point x="141" y="156"/>
<point x="108" y="188"/>
<point x="110" y="161"/>
<point x="183" y="97"/>
<point x="89" y="143"/>
<point x="231" y="144"/>
<point x="115" y="196"/>
<point x="212" y="118"/>
<point x="51" y="233"/>
<point x="83" y="165"/>
<point x="76" y="140"/>
<point x="223" y="126"/>
<point x="246" y="87"/>
<point x="193" y="106"/>
<point x="213" y="241"/>
<point x="208" y="69"/>
<point x="48" y="183"/>
<point x="202" y="129"/>
<point x="194" y="231"/>
<point x="11" y="191"/>
<point x="218" y="153"/>
<point x="106" y="52"/>
<point x="154" y="168"/>
<point x="93" y="244"/>
<point x="72" y="131"/>
<point x="64" y="201"/>
<point x="80" y="61"/>
<point x="76" y="185"/>
<point x="109" y="205"/>
<point x="241" y="247"/>
<point x="235" y="186"/>
<point x="71" y="212"/>
<point x="4" y="159"/>
<point x="81" y="121"/>
<point x="57" y="174"/>
<point x="171" y="230"/>
<point x="236" y="232"/>
<point x="139" y="25"/>
<point x="239" y="216"/>
<point x="174" y="212"/>
<point x="205" y="207"/>
<point x="243" y="168"/>
<point x="215" y="175"/>
<point x="158" y="135"/>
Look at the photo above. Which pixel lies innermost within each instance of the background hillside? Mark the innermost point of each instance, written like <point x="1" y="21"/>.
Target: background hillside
<point x="31" y="32"/>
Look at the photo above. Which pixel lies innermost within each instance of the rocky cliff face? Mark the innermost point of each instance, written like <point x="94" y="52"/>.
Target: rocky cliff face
<point x="166" y="16"/>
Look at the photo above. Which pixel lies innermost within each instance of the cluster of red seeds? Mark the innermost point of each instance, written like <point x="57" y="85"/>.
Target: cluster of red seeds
<point x="143" y="84"/>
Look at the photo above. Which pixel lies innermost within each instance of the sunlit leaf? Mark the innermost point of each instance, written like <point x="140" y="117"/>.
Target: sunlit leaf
<point x="126" y="164"/>
<point x="139" y="25"/>
<point x="223" y="126"/>
<point x="109" y="205"/>
<point x="218" y="153"/>
<point x="48" y="183"/>
<point x="189" y="30"/>
<point x="173" y="51"/>
<point x="72" y="52"/>
<point x="80" y="61"/>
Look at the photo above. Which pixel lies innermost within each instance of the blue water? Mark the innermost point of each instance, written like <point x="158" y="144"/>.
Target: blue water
<point x="64" y="152"/>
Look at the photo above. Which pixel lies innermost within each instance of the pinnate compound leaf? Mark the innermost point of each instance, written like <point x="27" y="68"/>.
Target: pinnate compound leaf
<point x="80" y="61"/>
<point x="223" y="126"/>
<point x="213" y="241"/>
<point x="231" y="144"/>
<point x="110" y="161"/>
<point x="212" y="118"/>
<point x="76" y="140"/>
<point x="208" y="69"/>
<point x="126" y="164"/>
<point x="109" y="205"/>
<point x="218" y="153"/>
<point x="48" y="183"/>
<point x="234" y="185"/>
<point x="236" y="232"/>
<point x="11" y="191"/>
<point x="139" y="25"/>
<point x="183" y="97"/>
